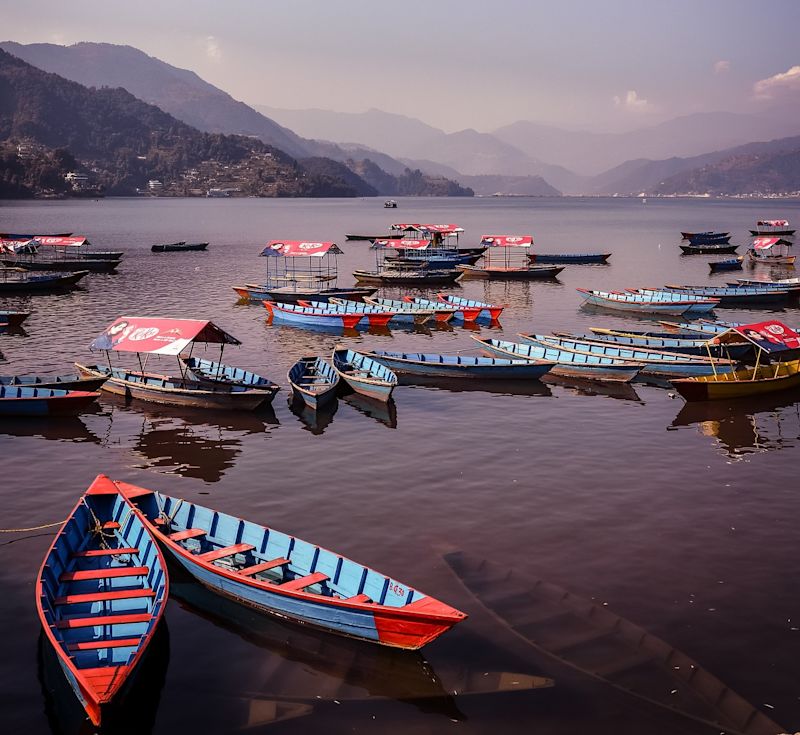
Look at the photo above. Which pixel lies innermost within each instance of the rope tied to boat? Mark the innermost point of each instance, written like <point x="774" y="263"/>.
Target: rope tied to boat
<point x="32" y="528"/>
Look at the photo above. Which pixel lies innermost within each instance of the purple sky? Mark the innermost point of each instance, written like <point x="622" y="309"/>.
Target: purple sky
<point x="612" y="65"/>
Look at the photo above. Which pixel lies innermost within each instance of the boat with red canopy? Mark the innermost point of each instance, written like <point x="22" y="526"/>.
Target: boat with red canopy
<point x="772" y="227"/>
<point x="168" y="337"/>
<point x="777" y="366"/>
<point x="300" y="269"/>
<point x="77" y="245"/>
<point x="55" y="253"/>
<point x="506" y="258"/>
<point x="770" y="251"/>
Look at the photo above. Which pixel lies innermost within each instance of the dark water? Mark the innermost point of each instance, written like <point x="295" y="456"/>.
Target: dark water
<point x="680" y="518"/>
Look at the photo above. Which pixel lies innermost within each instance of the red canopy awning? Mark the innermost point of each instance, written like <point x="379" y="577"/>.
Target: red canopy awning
<point x="765" y="243"/>
<point x="300" y="249"/>
<point x="62" y="242"/>
<point x="773" y="223"/>
<point x="507" y="241"/>
<point x="441" y="229"/>
<point x="771" y="336"/>
<point x="159" y="336"/>
<point x="405" y="226"/>
<point x="404" y="244"/>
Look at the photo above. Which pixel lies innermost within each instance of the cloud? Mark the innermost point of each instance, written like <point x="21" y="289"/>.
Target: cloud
<point x="631" y="101"/>
<point x="787" y="80"/>
<point x="720" y="67"/>
<point x="213" y="50"/>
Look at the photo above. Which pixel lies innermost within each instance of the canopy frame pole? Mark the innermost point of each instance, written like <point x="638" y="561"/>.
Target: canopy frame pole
<point x="713" y="362"/>
<point x="758" y="361"/>
<point x="139" y="360"/>
<point x="219" y="364"/>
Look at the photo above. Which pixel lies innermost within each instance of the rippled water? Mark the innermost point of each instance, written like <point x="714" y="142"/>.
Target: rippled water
<point x="681" y="518"/>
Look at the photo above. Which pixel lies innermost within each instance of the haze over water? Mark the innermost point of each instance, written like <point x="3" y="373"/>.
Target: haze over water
<point x="682" y="519"/>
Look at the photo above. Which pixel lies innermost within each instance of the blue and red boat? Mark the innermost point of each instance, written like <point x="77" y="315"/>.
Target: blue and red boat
<point x="329" y="315"/>
<point x="363" y="374"/>
<point x="468" y="307"/>
<point x="18" y="400"/>
<point x="100" y="596"/>
<point x="282" y="575"/>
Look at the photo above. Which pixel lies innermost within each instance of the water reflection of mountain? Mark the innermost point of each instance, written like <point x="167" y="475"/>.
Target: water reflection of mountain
<point x="134" y="714"/>
<point x="197" y="444"/>
<point x="746" y="425"/>
<point x="383" y="412"/>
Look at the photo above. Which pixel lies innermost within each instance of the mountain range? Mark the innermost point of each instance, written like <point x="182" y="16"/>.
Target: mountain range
<point x="521" y="158"/>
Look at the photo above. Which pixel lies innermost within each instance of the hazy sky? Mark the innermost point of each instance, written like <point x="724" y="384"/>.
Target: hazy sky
<point x="615" y="64"/>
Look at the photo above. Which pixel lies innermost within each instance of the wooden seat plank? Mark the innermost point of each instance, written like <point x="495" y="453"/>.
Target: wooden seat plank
<point x="111" y="643"/>
<point x="358" y="598"/>
<point x="302" y="582"/>
<point x="225" y="551"/>
<point x="105" y="573"/>
<point x="110" y="526"/>
<point x="69" y="623"/>
<point x="104" y="596"/>
<point x="105" y="552"/>
<point x="262" y="567"/>
<point x="188" y="533"/>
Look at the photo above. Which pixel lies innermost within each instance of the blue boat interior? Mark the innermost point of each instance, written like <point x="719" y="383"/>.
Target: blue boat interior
<point x="313" y="374"/>
<point x="218" y="372"/>
<point x="465" y="360"/>
<point x="563" y="357"/>
<point x="151" y="380"/>
<point x="355" y="364"/>
<point x="17" y="391"/>
<point x="262" y="554"/>
<point x="102" y="584"/>
<point x="32" y="380"/>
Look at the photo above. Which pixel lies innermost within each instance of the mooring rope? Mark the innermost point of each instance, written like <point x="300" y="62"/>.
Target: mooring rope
<point x="32" y="528"/>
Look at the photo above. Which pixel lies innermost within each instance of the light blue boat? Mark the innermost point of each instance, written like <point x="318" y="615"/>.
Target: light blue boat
<point x="568" y="364"/>
<point x="363" y="374"/>
<point x="461" y="366"/>
<point x="282" y="575"/>
<point x="314" y="381"/>
<point x="693" y="346"/>
<point x="438" y="311"/>
<point x="467" y="307"/>
<point x="218" y="373"/>
<point x="637" y="302"/>
<point x="659" y="363"/>
<point x="700" y="306"/>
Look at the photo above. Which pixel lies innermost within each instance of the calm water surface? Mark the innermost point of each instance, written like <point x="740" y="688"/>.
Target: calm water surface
<point x="682" y="519"/>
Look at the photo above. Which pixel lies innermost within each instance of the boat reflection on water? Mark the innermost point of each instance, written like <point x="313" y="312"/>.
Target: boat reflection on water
<point x="745" y="425"/>
<point x="200" y="444"/>
<point x="57" y="428"/>
<point x="135" y="714"/>
<point x="317" y="669"/>
<point x="620" y="391"/>
<point x="460" y="385"/>
<point x="384" y="412"/>
<point x="314" y="421"/>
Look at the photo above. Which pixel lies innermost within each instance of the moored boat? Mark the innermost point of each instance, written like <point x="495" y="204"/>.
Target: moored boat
<point x="283" y="575"/>
<point x="730" y="264"/>
<point x="329" y="315"/>
<point x="636" y="302"/>
<point x="461" y="366"/>
<point x="73" y="264"/>
<point x="100" y="595"/>
<point x="17" y="400"/>
<point x="787" y="284"/>
<point x="12" y="281"/>
<point x="363" y="374"/>
<point x="13" y="318"/>
<point x="772" y="227"/>
<point x="569" y="258"/>
<point x="770" y="251"/>
<point x="436" y="310"/>
<point x="291" y="295"/>
<point x="708" y="238"/>
<point x="670" y="343"/>
<point x="398" y="275"/>
<point x="516" y="273"/>
<point x="710" y="248"/>
<point x="732" y="296"/>
<point x="469" y="306"/>
<point x="656" y="362"/>
<point x="314" y="381"/>
<point x="58" y="382"/>
<point x="700" y="306"/>
<point x="689" y="235"/>
<point x="217" y="373"/>
<point x="567" y="364"/>
<point x="178" y="247"/>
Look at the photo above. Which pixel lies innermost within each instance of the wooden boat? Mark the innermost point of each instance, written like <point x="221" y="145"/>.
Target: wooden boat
<point x="100" y="596"/>
<point x="689" y="235"/>
<point x="570" y="258"/>
<point x="731" y="264"/>
<point x="414" y="276"/>
<point x="586" y="636"/>
<point x="671" y="343"/>
<point x="701" y="326"/>
<point x="370" y="238"/>
<point x="174" y="391"/>
<point x="390" y="204"/>
<point x="435" y="310"/>
<point x="283" y="575"/>
<point x="656" y="362"/>
<point x="461" y="366"/>
<point x="740" y="383"/>
<point x="24" y="282"/>
<point x="732" y="296"/>
<point x="792" y="285"/>
<point x="159" y="336"/>
<point x="103" y="254"/>
<point x="289" y="295"/>
<point x="700" y="306"/>
<point x="711" y="248"/>
<point x="74" y="264"/>
<point x="636" y="302"/>
<point x="469" y="306"/>
<point x="681" y="331"/>
<point x="363" y="374"/>
<point x="17" y="400"/>
<point x="216" y="373"/>
<point x="59" y="382"/>
<point x="568" y="364"/>
<point x="13" y="318"/>
<point x="329" y="315"/>
<point x="533" y="272"/>
<point x="770" y="251"/>
<point x="772" y="227"/>
<point x="314" y="381"/>
<point x="179" y="247"/>
<point x="709" y="238"/>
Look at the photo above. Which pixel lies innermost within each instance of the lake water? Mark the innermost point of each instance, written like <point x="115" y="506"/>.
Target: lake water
<point x="682" y="519"/>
